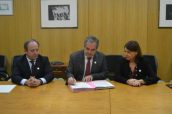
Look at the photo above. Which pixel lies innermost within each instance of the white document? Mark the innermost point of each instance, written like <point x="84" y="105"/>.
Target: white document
<point x="102" y="84"/>
<point x="99" y="84"/>
<point x="6" y="88"/>
<point x="79" y="85"/>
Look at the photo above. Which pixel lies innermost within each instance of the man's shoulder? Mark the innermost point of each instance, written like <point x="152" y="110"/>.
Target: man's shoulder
<point x="19" y="60"/>
<point x="20" y="57"/>
<point x="98" y="53"/>
<point x="77" y="53"/>
<point x="41" y="57"/>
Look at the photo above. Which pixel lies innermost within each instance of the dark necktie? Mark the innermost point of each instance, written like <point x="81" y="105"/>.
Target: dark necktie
<point x="88" y="65"/>
<point x="32" y="68"/>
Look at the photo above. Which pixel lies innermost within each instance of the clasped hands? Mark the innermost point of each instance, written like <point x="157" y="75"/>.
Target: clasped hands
<point x="135" y="82"/>
<point x="72" y="81"/>
<point x="33" y="82"/>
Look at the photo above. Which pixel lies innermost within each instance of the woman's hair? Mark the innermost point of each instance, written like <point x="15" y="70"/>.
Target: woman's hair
<point x="134" y="46"/>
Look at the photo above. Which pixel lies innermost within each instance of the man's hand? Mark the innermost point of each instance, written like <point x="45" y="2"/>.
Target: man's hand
<point x="33" y="82"/>
<point x="71" y="81"/>
<point x="88" y="78"/>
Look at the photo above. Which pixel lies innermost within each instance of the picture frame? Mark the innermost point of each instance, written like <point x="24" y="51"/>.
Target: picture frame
<point x="58" y="13"/>
<point x="6" y="7"/>
<point x="165" y="13"/>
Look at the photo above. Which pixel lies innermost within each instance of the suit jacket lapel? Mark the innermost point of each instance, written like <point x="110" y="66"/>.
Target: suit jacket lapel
<point x="94" y="64"/>
<point x="26" y="66"/>
<point x="37" y="65"/>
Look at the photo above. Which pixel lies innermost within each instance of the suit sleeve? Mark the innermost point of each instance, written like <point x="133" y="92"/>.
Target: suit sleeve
<point x="47" y="71"/>
<point x="16" y="74"/>
<point x="69" y="70"/>
<point x="102" y="74"/>
<point x="151" y="76"/>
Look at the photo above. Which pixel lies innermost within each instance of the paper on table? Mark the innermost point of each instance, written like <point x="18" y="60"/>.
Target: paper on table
<point x="79" y="85"/>
<point x="100" y="84"/>
<point x="6" y="88"/>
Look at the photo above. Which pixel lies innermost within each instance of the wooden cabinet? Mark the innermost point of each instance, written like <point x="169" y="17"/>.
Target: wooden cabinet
<point x="59" y="70"/>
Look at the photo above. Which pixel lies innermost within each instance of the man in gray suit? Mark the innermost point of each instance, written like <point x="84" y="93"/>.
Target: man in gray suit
<point x="87" y="64"/>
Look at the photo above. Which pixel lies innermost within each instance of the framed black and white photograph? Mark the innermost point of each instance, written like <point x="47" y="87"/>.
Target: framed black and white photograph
<point x="58" y="13"/>
<point x="165" y="16"/>
<point x="6" y="7"/>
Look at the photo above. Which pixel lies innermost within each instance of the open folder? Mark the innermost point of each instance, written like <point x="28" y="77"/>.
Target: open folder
<point x="99" y="84"/>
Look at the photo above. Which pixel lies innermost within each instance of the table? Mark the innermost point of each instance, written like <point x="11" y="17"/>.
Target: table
<point x="53" y="98"/>
<point x="152" y="99"/>
<point x="56" y="98"/>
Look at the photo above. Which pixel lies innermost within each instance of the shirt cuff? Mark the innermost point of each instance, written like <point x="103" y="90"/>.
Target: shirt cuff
<point x="43" y="80"/>
<point x="23" y="81"/>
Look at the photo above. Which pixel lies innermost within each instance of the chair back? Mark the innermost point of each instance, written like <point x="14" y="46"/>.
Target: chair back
<point x="112" y="64"/>
<point x="3" y="70"/>
<point x="151" y="59"/>
<point x="14" y="61"/>
<point x="2" y="63"/>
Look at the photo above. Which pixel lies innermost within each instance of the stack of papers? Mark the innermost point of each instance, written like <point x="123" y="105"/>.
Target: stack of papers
<point x="6" y="88"/>
<point x="99" y="84"/>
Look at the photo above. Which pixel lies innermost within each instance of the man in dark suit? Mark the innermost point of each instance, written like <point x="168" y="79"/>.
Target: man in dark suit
<point x="32" y="69"/>
<point x="88" y="64"/>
